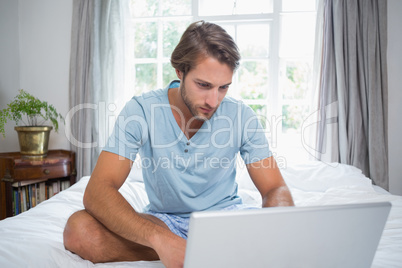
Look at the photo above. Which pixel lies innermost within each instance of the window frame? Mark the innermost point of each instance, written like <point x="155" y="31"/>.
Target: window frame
<point x="273" y="100"/>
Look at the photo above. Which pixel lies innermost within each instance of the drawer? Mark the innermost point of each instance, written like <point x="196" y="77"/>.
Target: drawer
<point x="41" y="172"/>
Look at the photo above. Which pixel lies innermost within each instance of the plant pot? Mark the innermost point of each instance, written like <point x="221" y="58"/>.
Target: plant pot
<point x="34" y="141"/>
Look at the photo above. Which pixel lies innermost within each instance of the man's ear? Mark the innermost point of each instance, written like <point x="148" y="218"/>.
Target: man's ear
<point x="179" y="74"/>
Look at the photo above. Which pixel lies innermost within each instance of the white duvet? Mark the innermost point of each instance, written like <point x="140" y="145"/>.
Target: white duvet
<point x="35" y="238"/>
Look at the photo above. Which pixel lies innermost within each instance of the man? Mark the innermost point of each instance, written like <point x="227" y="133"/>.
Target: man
<point x="188" y="136"/>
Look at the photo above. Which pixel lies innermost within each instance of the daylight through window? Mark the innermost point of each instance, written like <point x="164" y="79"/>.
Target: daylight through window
<point x="276" y="42"/>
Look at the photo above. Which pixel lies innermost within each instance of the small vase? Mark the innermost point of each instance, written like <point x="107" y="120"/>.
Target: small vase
<point x="34" y="140"/>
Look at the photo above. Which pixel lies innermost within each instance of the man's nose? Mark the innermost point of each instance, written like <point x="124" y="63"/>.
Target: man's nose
<point x="212" y="97"/>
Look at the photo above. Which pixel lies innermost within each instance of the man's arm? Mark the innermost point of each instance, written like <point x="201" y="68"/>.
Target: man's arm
<point x="268" y="179"/>
<point x="105" y="203"/>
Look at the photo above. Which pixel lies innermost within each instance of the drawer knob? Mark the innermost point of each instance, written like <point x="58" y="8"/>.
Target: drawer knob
<point x="46" y="171"/>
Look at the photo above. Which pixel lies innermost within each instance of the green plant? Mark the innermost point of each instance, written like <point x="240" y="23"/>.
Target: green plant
<point x="30" y="107"/>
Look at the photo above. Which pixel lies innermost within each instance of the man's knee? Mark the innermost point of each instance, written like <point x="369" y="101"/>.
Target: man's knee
<point x="88" y="238"/>
<point x="79" y="231"/>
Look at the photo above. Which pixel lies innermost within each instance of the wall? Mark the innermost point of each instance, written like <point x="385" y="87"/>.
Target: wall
<point x="9" y="63"/>
<point x="395" y="95"/>
<point x="37" y="55"/>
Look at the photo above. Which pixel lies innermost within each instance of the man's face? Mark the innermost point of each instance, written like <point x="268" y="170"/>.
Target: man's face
<point x="205" y="86"/>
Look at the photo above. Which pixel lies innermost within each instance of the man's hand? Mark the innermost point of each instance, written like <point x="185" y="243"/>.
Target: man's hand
<point x="269" y="182"/>
<point x="171" y="250"/>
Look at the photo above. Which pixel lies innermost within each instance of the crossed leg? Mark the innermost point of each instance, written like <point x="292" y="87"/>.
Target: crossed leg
<point x="91" y="240"/>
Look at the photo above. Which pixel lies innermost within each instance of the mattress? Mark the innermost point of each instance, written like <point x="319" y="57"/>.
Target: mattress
<point x="35" y="238"/>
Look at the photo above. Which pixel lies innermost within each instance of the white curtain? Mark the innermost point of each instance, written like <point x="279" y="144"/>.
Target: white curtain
<point x="353" y="91"/>
<point x="99" y="68"/>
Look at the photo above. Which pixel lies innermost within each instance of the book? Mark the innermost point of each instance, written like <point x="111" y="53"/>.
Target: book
<point x="42" y="192"/>
<point x="24" y="183"/>
<point x="33" y="196"/>
<point x="23" y="201"/>
<point x="29" y="194"/>
<point x="50" y="191"/>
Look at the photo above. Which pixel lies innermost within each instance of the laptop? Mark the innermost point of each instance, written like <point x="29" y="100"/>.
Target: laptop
<point x="320" y="236"/>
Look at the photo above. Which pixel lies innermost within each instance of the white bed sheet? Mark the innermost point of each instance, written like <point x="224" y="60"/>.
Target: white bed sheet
<point x="35" y="238"/>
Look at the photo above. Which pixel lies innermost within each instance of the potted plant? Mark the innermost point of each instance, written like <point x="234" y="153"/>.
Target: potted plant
<point x="33" y="113"/>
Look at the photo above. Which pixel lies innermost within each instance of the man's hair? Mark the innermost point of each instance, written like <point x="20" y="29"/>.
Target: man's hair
<point x="203" y="39"/>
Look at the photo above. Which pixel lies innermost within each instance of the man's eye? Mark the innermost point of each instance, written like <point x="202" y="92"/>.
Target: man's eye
<point x="203" y="85"/>
<point x="225" y="87"/>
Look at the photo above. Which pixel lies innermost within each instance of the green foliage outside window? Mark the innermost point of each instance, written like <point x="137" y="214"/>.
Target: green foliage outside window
<point x="296" y="88"/>
<point x="146" y="36"/>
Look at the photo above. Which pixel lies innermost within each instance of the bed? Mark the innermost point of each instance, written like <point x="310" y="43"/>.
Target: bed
<point x="34" y="238"/>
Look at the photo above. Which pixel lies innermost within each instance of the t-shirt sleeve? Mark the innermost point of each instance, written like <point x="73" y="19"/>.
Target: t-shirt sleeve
<point x="254" y="143"/>
<point x="129" y="132"/>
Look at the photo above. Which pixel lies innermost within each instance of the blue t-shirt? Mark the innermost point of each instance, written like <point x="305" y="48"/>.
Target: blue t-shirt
<point x="181" y="175"/>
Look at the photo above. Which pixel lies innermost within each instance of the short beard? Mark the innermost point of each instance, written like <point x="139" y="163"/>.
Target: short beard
<point x="190" y="106"/>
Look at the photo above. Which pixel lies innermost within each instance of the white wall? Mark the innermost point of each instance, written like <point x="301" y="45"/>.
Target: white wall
<point x="35" y="46"/>
<point x="9" y="63"/>
<point x="395" y="95"/>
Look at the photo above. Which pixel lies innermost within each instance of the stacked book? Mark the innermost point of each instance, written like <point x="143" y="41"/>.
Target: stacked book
<point x="29" y="194"/>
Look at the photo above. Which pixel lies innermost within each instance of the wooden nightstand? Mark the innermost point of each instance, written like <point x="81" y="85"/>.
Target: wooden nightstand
<point x="17" y="172"/>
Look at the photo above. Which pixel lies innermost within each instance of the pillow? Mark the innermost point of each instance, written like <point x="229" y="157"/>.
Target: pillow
<point x="317" y="176"/>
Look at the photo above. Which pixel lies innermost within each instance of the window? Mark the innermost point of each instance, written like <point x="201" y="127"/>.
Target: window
<point x="276" y="42"/>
